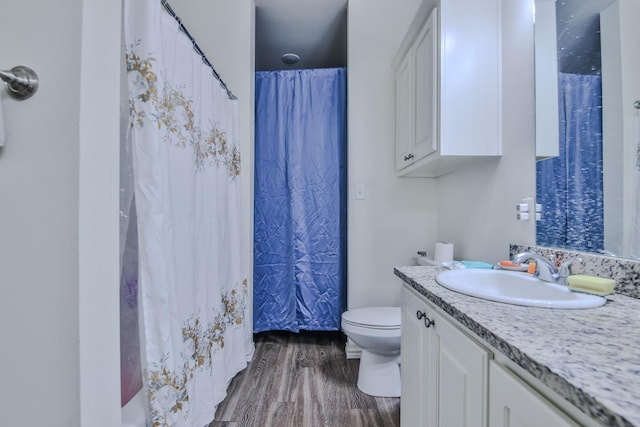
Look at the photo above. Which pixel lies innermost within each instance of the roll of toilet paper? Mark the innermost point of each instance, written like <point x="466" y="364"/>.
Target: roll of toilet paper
<point x="443" y="252"/>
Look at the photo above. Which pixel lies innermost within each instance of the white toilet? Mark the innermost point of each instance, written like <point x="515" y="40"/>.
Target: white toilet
<point x="376" y="330"/>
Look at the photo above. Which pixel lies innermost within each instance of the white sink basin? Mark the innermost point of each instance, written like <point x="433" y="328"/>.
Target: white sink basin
<point x="515" y="288"/>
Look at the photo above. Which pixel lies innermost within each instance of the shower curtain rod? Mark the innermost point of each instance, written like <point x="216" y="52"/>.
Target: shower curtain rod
<point x="170" y="11"/>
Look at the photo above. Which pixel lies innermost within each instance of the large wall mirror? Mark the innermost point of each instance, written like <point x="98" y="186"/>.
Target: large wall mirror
<point x="588" y="125"/>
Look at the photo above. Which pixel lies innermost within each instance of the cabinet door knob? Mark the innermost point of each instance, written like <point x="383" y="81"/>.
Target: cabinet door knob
<point x="428" y="322"/>
<point x="408" y="157"/>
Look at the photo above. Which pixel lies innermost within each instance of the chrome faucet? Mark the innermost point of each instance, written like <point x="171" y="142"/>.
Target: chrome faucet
<point x="545" y="269"/>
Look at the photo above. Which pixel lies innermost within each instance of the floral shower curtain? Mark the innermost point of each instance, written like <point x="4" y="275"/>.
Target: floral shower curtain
<point x="192" y="278"/>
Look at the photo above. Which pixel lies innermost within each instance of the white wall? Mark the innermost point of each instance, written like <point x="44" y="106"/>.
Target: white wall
<point x="476" y="206"/>
<point x="49" y="238"/>
<point x="99" y="220"/>
<point x="398" y="215"/>
<point x="630" y="58"/>
<point x="224" y="30"/>
<point x="620" y="88"/>
<point x="617" y="216"/>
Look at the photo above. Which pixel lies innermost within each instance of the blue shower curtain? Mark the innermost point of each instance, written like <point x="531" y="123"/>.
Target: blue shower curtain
<point x="570" y="187"/>
<point x="300" y="200"/>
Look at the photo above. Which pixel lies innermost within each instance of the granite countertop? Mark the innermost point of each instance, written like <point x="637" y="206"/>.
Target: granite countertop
<point x="590" y="357"/>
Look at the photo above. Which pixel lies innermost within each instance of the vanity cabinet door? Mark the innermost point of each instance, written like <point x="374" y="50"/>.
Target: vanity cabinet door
<point x="459" y="371"/>
<point x="414" y="354"/>
<point x="444" y="372"/>
<point x="513" y="403"/>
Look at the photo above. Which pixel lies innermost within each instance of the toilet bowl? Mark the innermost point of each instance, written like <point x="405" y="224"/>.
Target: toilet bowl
<point x="376" y="330"/>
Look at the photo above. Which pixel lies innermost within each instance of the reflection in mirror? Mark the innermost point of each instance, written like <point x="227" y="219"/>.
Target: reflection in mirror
<point x="588" y="130"/>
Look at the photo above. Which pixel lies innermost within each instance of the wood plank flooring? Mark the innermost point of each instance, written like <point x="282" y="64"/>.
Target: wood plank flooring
<point x="302" y="380"/>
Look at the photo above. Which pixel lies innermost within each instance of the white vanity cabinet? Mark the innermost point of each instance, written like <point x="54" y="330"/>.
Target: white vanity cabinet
<point x="444" y="372"/>
<point x="448" y="87"/>
<point x="452" y="379"/>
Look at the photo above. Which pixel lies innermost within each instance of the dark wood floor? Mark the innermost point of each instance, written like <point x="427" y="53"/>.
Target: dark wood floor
<point x="302" y="380"/>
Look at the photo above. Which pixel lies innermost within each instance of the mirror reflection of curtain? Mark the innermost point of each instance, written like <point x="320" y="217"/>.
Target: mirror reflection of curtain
<point x="300" y="200"/>
<point x="570" y="187"/>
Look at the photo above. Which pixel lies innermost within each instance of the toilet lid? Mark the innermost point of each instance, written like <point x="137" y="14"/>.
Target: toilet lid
<point x="374" y="317"/>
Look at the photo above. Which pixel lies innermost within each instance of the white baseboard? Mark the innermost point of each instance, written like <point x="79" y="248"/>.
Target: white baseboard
<point x="352" y="350"/>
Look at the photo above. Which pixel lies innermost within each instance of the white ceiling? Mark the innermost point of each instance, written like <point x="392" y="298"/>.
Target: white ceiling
<point x="316" y="30"/>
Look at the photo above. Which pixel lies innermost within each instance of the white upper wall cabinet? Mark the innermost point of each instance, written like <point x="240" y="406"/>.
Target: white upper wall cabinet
<point x="448" y="87"/>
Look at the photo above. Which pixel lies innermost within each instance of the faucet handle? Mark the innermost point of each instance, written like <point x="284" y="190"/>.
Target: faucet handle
<point x="565" y="270"/>
<point x="565" y="267"/>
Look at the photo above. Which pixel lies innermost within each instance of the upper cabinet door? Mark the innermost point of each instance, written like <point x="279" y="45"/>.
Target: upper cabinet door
<point x="416" y="97"/>
<point x="404" y="112"/>
<point x="426" y="102"/>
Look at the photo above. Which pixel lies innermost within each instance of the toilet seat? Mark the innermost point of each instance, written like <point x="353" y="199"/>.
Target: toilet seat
<point x="383" y="318"/>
